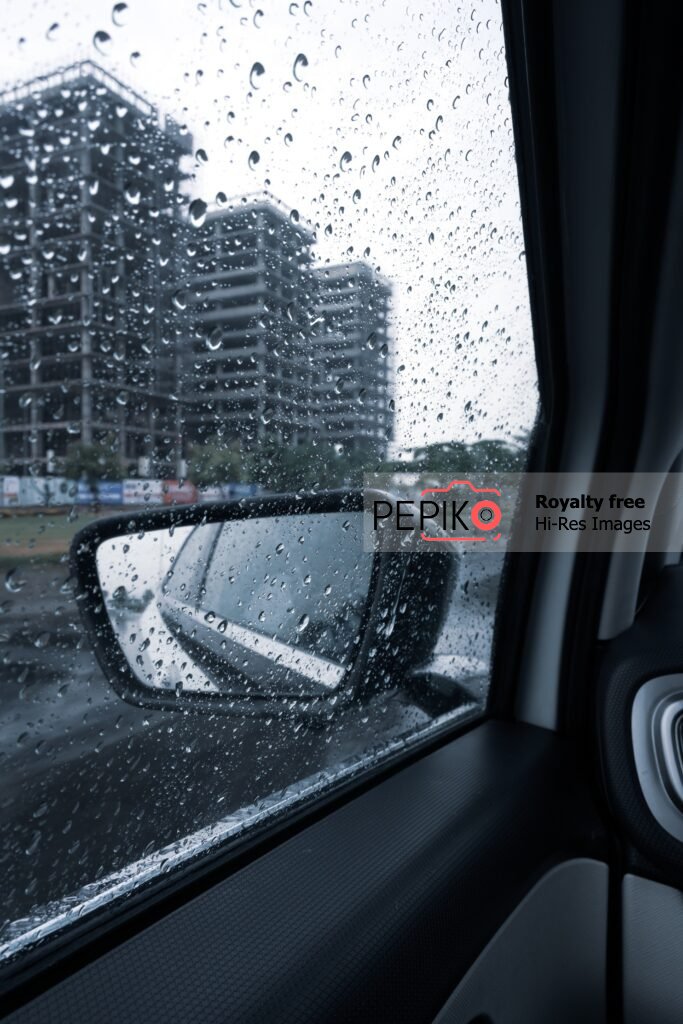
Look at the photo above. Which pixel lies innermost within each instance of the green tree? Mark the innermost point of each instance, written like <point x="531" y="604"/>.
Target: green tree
<point x="92" y="463"/>
<point x="491" y="455"/>
<point x="214" y="463"/>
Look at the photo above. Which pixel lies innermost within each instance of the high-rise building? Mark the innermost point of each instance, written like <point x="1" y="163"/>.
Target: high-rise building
<point x="245" y="294"/>
<point x="89" y="179"/>
<point x="350" y="400"/>
<point x="128" y="325"/>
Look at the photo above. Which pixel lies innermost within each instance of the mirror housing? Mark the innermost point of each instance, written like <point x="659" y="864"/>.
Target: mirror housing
<point x="389" y="619"/>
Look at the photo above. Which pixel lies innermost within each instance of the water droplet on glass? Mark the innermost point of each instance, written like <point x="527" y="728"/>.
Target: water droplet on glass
<point x="300" y="61"/>
<point x="197" y="212"/>
<point x="215" y="339"/>
<point x="102" y="42"/>
<point x="302" y="623"/>
<point x="51" y="33"/>
<point x="345" y="160"/>
<point x="257" y="71"/>
<point x="13" y="581"/>
<point x="254" y="158"/>
<point x="118" y="14"/>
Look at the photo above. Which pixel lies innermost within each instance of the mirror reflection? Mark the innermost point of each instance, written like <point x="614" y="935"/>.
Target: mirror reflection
<point x="269" y="606"/>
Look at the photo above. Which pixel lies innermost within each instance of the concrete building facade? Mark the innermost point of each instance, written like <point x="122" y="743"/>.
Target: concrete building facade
<point x="90" y="179"/>
<point x="247" y="368"/>
<point x="350" y="392"/>
<point x="127" y="324"/>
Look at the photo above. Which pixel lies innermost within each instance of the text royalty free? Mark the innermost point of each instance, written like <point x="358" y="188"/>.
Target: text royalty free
<point x="590" y="503"/>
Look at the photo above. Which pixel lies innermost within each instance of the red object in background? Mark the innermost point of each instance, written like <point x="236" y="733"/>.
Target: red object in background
<point x="177" y="493"/>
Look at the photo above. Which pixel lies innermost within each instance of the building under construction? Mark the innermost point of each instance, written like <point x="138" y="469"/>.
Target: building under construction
<point x="90" y="178"/>
<point x="129" y="325"/>
<point x="350" y="402"/>
<point x="246" y="298"/>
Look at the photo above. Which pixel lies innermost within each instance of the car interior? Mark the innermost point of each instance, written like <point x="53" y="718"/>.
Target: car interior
<point x="524" y="864"/>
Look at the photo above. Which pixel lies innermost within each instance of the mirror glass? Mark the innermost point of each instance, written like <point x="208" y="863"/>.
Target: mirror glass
<point x="268" y="607"/>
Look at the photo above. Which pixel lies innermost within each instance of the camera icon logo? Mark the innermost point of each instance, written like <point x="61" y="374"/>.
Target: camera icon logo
<point x="466" y="521"/>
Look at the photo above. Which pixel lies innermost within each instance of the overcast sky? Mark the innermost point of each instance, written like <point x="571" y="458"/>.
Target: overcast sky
<point x="417" y="95"/>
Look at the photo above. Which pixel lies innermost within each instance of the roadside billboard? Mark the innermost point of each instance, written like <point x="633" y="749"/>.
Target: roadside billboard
<point x="9" y="495"/>
<point x="44" y="490"/>
<point x="143" y="492"/>
<point x="177" y="492"/>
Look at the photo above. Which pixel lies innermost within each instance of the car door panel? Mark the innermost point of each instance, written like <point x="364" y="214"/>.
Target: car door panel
<point x="375" y="912"/>
<point x="548" y="961"/>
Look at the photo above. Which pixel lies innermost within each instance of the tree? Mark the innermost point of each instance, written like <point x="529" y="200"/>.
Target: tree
<point x="214" y="464"/>
<point x="92" y="463"/>
<point x="491" y="455"/>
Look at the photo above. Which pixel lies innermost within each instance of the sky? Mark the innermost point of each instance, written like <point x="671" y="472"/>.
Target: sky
<point x="386" y="126"/>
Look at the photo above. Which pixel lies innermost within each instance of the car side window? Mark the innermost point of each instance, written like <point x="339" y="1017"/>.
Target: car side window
<point x="256" y="255"/>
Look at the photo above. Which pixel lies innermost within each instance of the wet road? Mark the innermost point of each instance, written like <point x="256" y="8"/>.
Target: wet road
<point x="89" y="784"/>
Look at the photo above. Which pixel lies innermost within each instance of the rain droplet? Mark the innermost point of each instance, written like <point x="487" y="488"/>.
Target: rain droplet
<point x="201" y="156"/>
<point x="197" y="212"/>
<point x="102" y="42"/>
<point x="179" y="299"/>
<point x="214" y="340"/>
<point x="132" y="194"/>
<point x="288" y="139"/>
<point x="356" y="195"/>
<point x="254" y="158"/>
<point x="302" y="623"/>
<point x="118" y="14"/>
<point x="13" y="581"/>
<point x="51" y="33"/>
<point x="257" y="70"/>
<point x="345" y="160"/>
<point x="300" y="61"/>
<point x="397" y="142"/>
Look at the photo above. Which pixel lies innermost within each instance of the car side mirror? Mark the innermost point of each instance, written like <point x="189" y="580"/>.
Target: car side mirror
<point x="267" y="606"/>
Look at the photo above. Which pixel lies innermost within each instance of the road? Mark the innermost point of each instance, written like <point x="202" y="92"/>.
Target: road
<point x="89" y="784"/>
